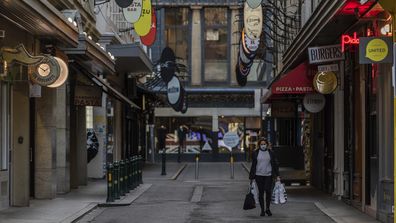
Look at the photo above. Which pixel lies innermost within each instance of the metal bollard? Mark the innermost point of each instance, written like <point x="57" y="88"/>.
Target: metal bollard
<point x="140" y="168"/>
<point x="232" y="166"/>
<point x="196" y="165"/>
<point x="135" y="172"/>
<point x="131" y="173"/>
<point x="126" y="178"/>
<point x="116" y="180"/>
<point x="122" y="175"/>
<point x="110" y="190"/>
<point x="163" y="162"/>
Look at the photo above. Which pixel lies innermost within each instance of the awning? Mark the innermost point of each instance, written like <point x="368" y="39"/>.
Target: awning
<point x="130" y="58"/>
<point x="105" y="86"/>
<point x="294" y="82"/>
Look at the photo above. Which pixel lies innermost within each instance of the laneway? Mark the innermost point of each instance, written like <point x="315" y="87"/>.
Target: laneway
<point x="221" y="200"/>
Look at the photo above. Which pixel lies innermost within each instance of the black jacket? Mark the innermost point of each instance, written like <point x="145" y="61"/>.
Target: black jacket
<point x="274" y="164"/>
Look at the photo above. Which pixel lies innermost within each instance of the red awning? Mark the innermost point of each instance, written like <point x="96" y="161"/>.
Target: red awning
<point x="294" y="82"/>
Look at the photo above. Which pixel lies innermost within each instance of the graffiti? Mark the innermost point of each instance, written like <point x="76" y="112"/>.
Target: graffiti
<point x="92" y="145"/>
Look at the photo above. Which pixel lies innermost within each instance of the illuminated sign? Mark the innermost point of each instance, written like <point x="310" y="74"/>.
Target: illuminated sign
<point x="349" y="40"/>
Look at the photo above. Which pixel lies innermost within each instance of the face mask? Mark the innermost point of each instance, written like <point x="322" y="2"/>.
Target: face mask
<point x="263" y="147"/>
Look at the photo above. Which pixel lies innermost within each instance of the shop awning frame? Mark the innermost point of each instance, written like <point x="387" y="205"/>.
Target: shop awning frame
<point x="106" y="87"/>
<point x="130" y="58"/>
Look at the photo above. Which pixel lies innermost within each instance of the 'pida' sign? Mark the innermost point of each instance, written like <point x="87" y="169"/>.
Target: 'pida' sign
<point x="349" y="40"/>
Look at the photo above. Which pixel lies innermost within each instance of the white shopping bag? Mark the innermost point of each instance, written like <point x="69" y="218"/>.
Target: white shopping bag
<point x="276" y="193"/>
<point x="282" y="194"/>
<point x="254" y="190"/>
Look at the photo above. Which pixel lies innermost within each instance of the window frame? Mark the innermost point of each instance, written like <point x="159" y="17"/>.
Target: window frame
<point x="203" y="39"/>
<point x="187" y="28"/>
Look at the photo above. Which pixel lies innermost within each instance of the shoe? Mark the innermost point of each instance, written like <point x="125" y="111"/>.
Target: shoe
<point x="262" y="213"/>
<point x="268" y="212"/>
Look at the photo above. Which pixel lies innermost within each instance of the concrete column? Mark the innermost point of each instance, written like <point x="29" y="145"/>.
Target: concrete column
<point x="81" y="145"/>
<point x="196" y="51"/>
<point x="20" y="193"/>
<point x="62" y="145"/>
<point x="95" y="167"/>
<point x="235" y="37"/>
<point x="45" y="154"/>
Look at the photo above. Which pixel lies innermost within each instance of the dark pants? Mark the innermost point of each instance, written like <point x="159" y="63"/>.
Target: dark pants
<point x="264" y="184"/>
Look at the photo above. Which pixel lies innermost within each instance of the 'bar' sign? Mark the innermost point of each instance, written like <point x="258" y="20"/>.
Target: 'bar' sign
<point x="325" y="54"/>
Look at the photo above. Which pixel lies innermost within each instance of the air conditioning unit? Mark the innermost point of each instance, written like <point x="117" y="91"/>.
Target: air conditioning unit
<point x="2" y="33"/>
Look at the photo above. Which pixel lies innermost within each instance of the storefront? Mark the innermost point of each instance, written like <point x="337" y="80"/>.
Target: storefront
<point x="208" y="119"/>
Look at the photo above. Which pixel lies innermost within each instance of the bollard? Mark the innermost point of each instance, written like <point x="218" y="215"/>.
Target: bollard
<point x="126" y="179"/>
<point x="163" y="162"/>
<point x="196" y="165"/>
<point x="131" y="173"/>
<point x="116" y="180"/>
<point x="135" y="172"/>
<point x="110" y="191"/>
<point x="140" y="169"/>
<point x="122" y="167"/>
<point x="232" y="166"/>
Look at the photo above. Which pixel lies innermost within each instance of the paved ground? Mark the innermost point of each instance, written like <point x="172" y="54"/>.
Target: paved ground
<point x="214" y="197"/>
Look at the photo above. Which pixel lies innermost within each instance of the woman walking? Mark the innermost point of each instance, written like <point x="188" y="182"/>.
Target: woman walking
<point x="264" y="169"/>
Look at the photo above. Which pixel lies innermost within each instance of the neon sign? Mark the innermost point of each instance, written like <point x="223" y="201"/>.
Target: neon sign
<point x="347" y="39"/>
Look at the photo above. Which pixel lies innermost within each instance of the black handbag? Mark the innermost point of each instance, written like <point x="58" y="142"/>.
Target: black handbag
<point x="249" y="203"/>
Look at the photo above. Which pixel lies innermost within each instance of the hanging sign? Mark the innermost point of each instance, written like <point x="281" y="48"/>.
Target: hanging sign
<point x="124" y="3"/>
<point x="253" y="21"/>
<point x="167" y="64"/>
<point x="314" y="102"/>
<point x="254" y="3"/>
<point x="174" y="90"/>
<point x="149" y="39"/>
<point x="375" y="50"/>
<point x="133" y="12"/>
<point x="46" y="72"/>
<point x="64" y="73"/>
<point x="328" y="67"/>
<point x="325" y="54"/>
<point x="143" y="25"/>
<point x="325" y="82"/>
<point x="87" y="96"/>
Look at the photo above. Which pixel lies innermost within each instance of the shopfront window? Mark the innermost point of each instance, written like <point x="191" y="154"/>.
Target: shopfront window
<point x="177" y="33"/>
<point x="4" y="125"/>
<point x="199" y="135"/>
<point x="216" y="44"/>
